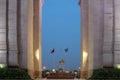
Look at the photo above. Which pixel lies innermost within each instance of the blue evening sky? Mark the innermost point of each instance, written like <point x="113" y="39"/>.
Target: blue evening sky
<point x="60" y="30"/>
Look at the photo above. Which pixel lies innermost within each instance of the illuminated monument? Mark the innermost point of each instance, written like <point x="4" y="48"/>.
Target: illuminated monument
<point x="100" y="35"/>
<point x="20" y="34"/>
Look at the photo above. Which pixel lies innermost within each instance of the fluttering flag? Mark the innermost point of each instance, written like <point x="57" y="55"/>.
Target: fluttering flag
<point x="53" y="50"/>
<point x="66" y="50"/>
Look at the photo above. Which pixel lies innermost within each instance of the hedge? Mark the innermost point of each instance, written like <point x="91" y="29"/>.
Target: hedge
<point x="14" y="74"/>
<point x="105" y="74"/>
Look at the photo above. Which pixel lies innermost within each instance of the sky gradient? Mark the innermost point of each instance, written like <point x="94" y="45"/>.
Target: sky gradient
<point x="60" y="30"/>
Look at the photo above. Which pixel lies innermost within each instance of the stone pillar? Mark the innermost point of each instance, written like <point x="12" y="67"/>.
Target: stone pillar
<point x="3" y="48"/>
<point x="117" y="32"/>
<point x="34" y="38"/>
<point x="108" y="46"/>
<point x="22" y="32"/>
<point x="98" y="33"/>
<point x="41" y="3"/>
<point x="84" y="37"/>
<point x="12" y="33"/>
<point x="92" y="36"/>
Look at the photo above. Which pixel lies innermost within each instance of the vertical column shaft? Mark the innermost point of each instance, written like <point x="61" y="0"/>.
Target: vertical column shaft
<point x="84" y="36"/>
<point x="12" y="33"/>
<point x="19" y="31"/>
<point x="34" y="38"/>
<point x="30" y="57"/>
<point x="117" y="32"/>
<point x="22" y="32"/>
<point x="3" y="27"/>
<point x="97" y="29"/>
<point x="90" y="36"/>
<point x="108" y="49"/>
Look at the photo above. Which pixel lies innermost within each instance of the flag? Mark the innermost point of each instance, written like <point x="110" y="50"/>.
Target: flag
<point x="66" y="50"/>
<point x="53" y="51"/>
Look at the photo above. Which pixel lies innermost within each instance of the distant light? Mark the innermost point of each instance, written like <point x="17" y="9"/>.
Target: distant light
<point x="47" y="72"/>
<point x="44" y="68"/>
<point x="118" y="66"/>
<point x="67" y="71"/>
<point x="2" y="65"/>
<point x="79" y="68"/>
<point x="75" y="72"/>
<point x="53" y="70"/>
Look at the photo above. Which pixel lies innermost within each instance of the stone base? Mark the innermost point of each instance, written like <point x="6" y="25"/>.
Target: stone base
<point x="84" y="74"/>
<point x="34" y="74"/>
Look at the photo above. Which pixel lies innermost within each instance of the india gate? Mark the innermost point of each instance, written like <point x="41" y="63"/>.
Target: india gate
<point x="21" y="43"/>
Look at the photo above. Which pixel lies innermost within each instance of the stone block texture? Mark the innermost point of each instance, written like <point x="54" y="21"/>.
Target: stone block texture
<point x="13" y="33"/>
<point x="100" y="31"/>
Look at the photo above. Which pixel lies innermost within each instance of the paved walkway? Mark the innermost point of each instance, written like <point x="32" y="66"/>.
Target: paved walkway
<point x="60" y="79"/>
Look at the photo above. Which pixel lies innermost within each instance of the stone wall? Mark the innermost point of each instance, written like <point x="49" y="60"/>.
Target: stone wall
<point x="117" y="32"/>
<point x="3" y="48"/>
<point x="100" y="34"/>
<point x="108" y="46"/>
<point x="13" y="32"/>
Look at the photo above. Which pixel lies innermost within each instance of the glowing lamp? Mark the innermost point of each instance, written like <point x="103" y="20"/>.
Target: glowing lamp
<point x="53" y="70"/>
<point x="85" y="55"/>
<point x="67" y="71"/>
<point x="2" y="65"/>
<point x="37" y="54"/>
<point x="117" y="66"/>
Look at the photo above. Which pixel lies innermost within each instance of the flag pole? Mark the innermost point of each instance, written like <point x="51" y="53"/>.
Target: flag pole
<point x="54" y="61"/>
<point x="52" y="52"/>
<point x="67" y="60"/>
<point x="60" y="53"/>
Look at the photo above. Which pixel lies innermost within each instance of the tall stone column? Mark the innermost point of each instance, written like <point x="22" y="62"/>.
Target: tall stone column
<point x="12" y="33"/>
<point x="34" y="38"/>
<point x="108" y="43"/>
<point x="92" y="36"/>
<point x="98" y="33"/>
<point x="8" y="32"/>
<point x="117" y="32"/>
<point x="41" y="3"/>
<point x="22" y="12"/>
<point x="84" y="35"/>
<point x="3" y="26"/>
<point x="9" y="28"/>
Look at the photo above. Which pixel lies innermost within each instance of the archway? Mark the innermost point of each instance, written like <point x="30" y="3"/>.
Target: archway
<point x="61" y="30"/>
<point x="34" y="38"/>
